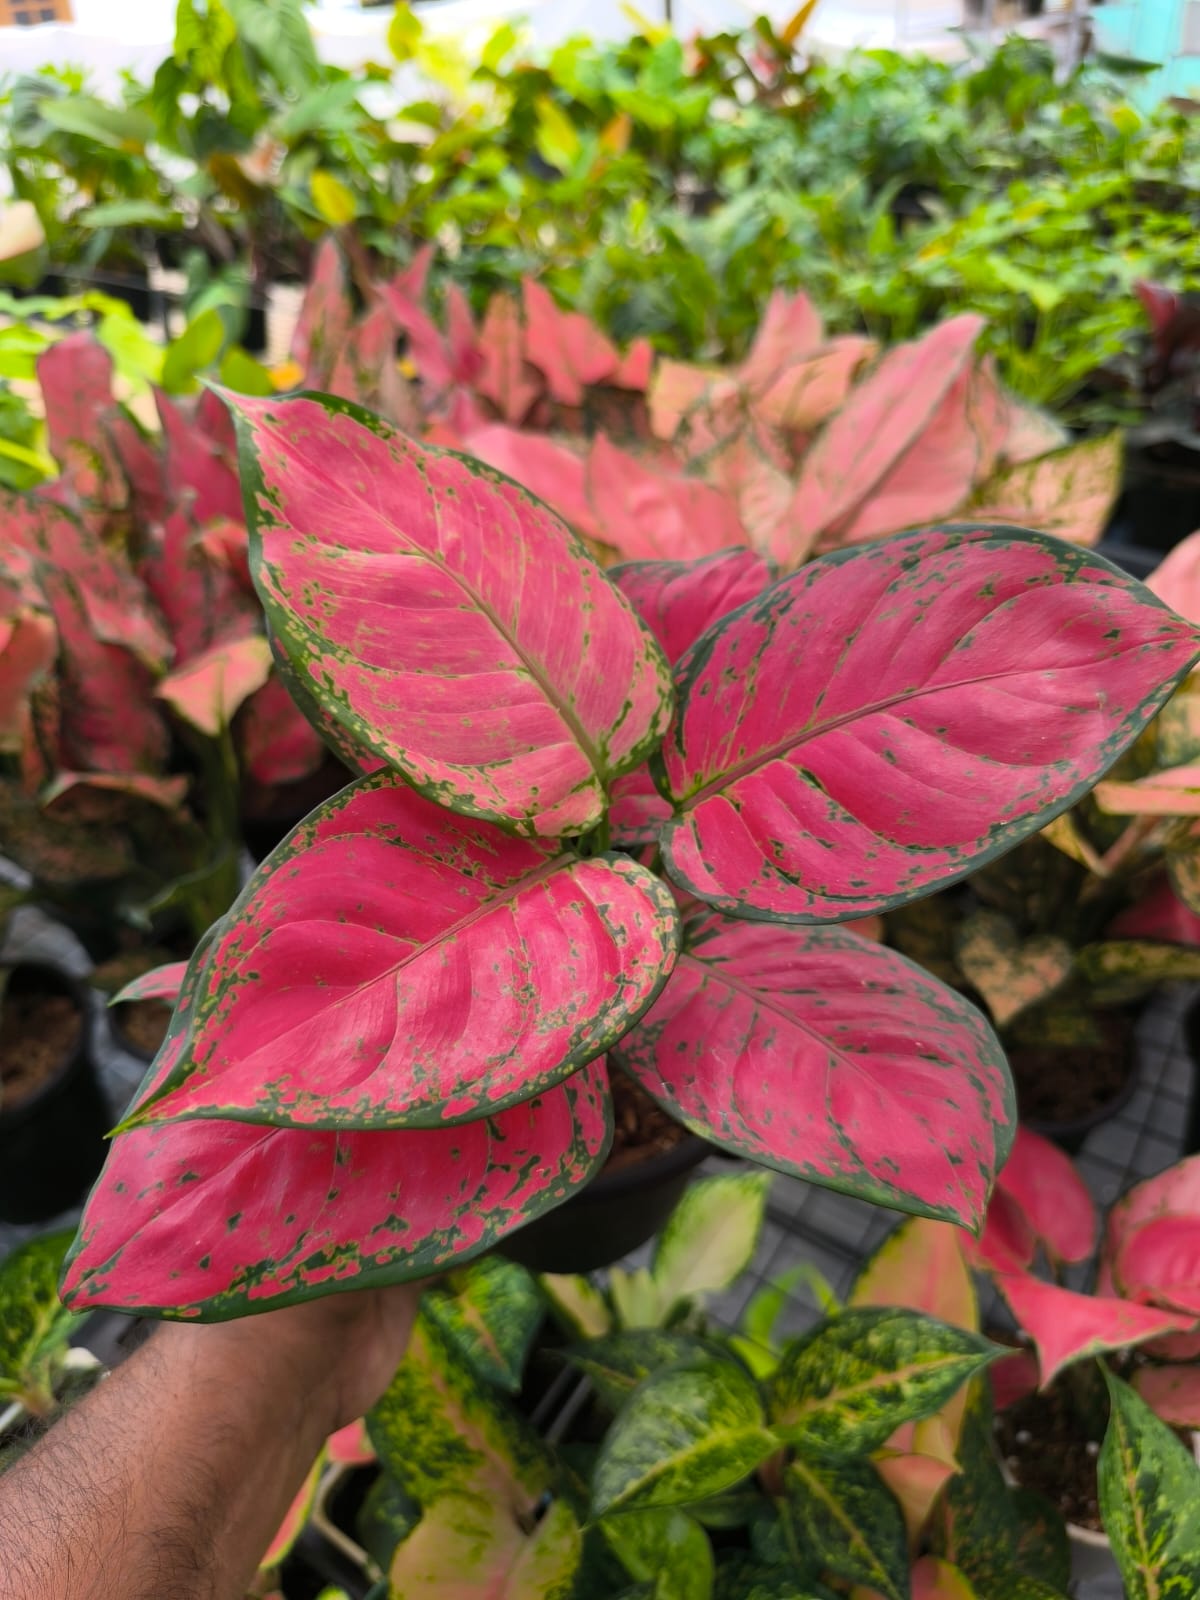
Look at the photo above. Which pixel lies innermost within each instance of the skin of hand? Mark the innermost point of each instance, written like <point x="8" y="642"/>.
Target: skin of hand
<point x="169" y="1480"/>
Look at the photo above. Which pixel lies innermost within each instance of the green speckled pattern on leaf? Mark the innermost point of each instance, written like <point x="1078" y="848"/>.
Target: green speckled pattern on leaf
<point x="850" y="1383"/>
<point x="687" y="1433"/>
<point x="846" y="1516"/>
<point x="617" y="1362"/>
<point x="663" y="1547"/>
<point x="1149" y="1501"/>
<point x="490" y="1312"/>
<point x="33" y="1323"/>
<point x="468" y="1547"/>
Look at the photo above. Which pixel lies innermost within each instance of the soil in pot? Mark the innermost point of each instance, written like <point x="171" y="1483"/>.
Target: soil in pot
<point x="140" y="1026"/>
<point x="1064" y="1089"/>
<point x="641" y="1128"/>
<point x="39" y="1031"/>
<point x="1045" y="1446"/>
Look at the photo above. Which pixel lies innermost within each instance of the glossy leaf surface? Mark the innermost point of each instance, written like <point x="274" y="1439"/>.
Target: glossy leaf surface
<point x="489" y="1312"/>
<point x="1044" y="1184"/>
<point x="832" y="1057"/>
<point x="845" y="1387"/>
<point x="690" y="1432"/>
<point x="392" y="965"/>
<point x="888" y="718"/>
<point x="446" y="619"/>
<point x="1149" y="1500"/>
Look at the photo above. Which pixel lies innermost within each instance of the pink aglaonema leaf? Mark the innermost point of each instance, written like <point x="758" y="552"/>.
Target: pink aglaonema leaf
<point x="1175" y="1191"/>
<point x="201" y="472"/>
<point x="1159" y="1262"/>
<point x="921" y="1266"/>
<point x="569" y="351"/>
<point x="1008" y="1243"/>
<point x="753" y="468"/>
<point x="548" y="469"/>
<point x="209" y="690"/>
<point x="809" y="390"/>
<point x="28" y="643"/>
<point x="325" y="315"/>
<point x="885" y="720"/>
<point x="636" y="811"/>
<point x="1043" y="1183"/>
<point x="1176" y="580"/>
<point x="160" y="983"/>
<point x="1159" y="914"/>
<point x="916" y="1480"/>
<point x="351" y="1446"/>
<point x="448" y="621"/>
<point x="843" y="493"/>
<point x="294" y="1521"/>
<point x="197" y="587"/>
<point x="1066" y="1326"/>
<point x="833" y="1058"/>
<point x="679" y="600"/>
<point x="75" y="376"/>
<point x="213" y="1220"/>
<point x="367" y="370"/>
<point x="1173" y="792"/>
<point x="275" y="743"/>
<point x="391" y="965"/>
<point x="1172" y="1392"/>
<point x="1013" y="1378"/>
<point x="1069" y="492"/>
<point x="649" y="513"/>
<point x="507" y="379"/>
<point x="636" y="367"/>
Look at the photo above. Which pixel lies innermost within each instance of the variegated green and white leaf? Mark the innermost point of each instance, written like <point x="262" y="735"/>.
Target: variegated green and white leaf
<point x="1149" y="1500"/>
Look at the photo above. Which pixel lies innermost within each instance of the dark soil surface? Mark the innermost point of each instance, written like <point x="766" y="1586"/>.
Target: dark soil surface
<point x="38" y="1033"/>
<point x="1041" y="1441"/>
<point x="143" y="1023"/>
<point x="1064" y="1083"/>
<point x="641" y="1127"/>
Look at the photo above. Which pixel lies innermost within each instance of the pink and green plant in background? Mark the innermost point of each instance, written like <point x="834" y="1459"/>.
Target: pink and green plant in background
<point x="394" y="1048"/>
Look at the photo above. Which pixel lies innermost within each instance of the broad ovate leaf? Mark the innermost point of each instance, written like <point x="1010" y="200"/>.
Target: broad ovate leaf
<point x="1010" y="973"/>
<point x="394" y="965"/>
<point x="710" y="1237"/>
<point x="210" y="689"/>
<point x="215" y="1219"/>
<point x="444" y="618"/>
<point x="829" y="1056"/>
<point x="1149" y="1500"/>
<point x="1069" y="492"/>
<point x="680" y="600"/>
<point x="921" y="1265"/>
<point x="1066" y="1326"/>
<point x="692" y="1431"/>
<point x="569" y="351"/>
<point x="1172" y="1393"/>
<point x="467" y="1547"/>
<point x="1173" y="1192"/>
<point x="1159" y="1263"/>
<point x="889" y="718"/>
<point x="842" y="1389"/>
<point x="846" y="1517"/>
<point x="1042" y="1182"/>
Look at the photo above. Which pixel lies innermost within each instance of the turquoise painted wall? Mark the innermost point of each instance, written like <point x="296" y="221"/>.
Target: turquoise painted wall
<point x="1152" y="30"/>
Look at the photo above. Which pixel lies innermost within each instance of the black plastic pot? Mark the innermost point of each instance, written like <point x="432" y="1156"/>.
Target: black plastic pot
<point x="615" y="1214"/>
<point x="52" y="1144"/>
<point x="1069" y="1133"/>
<point x="1160" y="500"/>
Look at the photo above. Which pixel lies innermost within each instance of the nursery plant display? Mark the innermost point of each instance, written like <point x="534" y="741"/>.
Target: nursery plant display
<point x="504" y="819"/>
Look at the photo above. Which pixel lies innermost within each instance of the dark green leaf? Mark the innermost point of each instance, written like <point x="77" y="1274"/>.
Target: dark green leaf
<point x="1042" y="1549"/>
<point x="663" y="1547"/>
<point x="848" y="1518"/>
<point x="489" y="1312"/>
<point x="1149" y="1501"/>
<point x="618" y="1362"/>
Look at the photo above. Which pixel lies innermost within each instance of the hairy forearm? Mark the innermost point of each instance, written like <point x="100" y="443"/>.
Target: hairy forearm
<point x="170" y="1479"/>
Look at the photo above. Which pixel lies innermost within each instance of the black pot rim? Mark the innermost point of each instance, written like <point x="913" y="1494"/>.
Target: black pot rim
<point x="1078" y="1127"/>
<point x="688" y="1153"/>
<point x="69" y="985"/>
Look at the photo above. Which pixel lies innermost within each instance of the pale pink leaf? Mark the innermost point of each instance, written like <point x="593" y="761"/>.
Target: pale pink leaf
<point x="208" y="691"/>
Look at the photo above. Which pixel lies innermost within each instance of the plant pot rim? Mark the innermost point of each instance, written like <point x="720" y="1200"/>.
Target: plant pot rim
<point x="74" y="990"/>
<point x="681" y="1157"/>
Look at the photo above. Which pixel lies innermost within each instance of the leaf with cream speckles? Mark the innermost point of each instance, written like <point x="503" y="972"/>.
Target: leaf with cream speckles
<point x="832" y="1057"/>
<point x="845" y="1515"/>
<point x="889" y="718"/>
<point x="447" y="620"/>
<point x="212" y="1220"/>
<point x="1149" y="1500"/>
<point x="391" y="965"/>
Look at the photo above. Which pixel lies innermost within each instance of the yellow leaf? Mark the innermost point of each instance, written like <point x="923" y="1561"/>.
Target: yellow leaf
<point x="557" y="140"/>
<point x="287" y="375"/>
<point x="795" y="27"/>
<point x="334" y="201"/>
<point x="614" y="136"/>
<point x="404" y="32"/>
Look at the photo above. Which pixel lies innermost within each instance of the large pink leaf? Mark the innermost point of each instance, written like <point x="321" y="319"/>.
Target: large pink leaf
<point x="838" y="494"/>
<point x="1159" y="1262"/>
<point x="1042" y="1182"/>
<point x="679" y="600"/>
<point x="391" y="965"/>
<point x="548" y="469"/>
<point x="831" y="1057"/>
<point x="1172" y="1392"/>
<point x="886" y="719"/>
<point x="208" y="691"/>
<point x="1066" y="1326"/>
<point x="1176" y="579"/>
<point x="1175" y="1191"/>
<point x="567" y="349"/>
<point x="507" y="379"/>
<point x="201" y="472"/>
<point x="648" y="512"/>
<point x="448" y="621"/>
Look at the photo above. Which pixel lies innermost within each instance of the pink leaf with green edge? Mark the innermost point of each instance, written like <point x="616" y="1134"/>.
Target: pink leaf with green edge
<point x="1066" y="1326"/>
<point x="446" y="619"/>
<point x="680" y="600"/>
<point x="647" y="512"/>
<point x="1069" y="493"/>
<point x="546" y="468"/>
<point x="325" y="316"/>
<point x="870" y="437"/>
<point x="1159" y="1263"/>
<point x="807" y="391"/>
<point x="1174" y="792"/>
<point x="833" y="1058"/>
<point x="830" y="758"/>
<point x="1167" y="1193"/>
<point x="507" y="379"/>
<point x="392" y="965"/>
<point x="197" y="589"/>
<point x="1158" y="913"/>
<point x="296" y="1518"/>
<point x="201" y="472"/>
<point x="1176" y="579"/>
<point x="213" y="1220"/>
<point x="208" y="691"/>
<point x="636" y="810"/>
<point x="351" y="1446"/>
<point x="275" y="743"/>
<point x="160" y="983"/>
<point x="1043" y="1183"/>
<point x="570" y="352"/>
<point x="1172" y="1393"/>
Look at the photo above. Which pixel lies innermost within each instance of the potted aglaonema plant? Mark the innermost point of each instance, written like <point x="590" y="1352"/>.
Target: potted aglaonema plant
<point x="1141" y="1317"/>
<point x="413" y="1007"/>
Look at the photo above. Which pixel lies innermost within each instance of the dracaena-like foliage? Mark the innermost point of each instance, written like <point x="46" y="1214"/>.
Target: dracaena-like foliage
<point x="435" y="973"/>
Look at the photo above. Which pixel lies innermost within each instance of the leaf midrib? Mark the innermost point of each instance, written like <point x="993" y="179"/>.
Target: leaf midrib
<point x="816" y="1405"/>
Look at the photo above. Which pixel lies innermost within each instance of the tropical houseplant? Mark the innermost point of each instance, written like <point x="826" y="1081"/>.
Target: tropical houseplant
<point x="335" y="1020"/>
